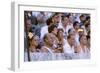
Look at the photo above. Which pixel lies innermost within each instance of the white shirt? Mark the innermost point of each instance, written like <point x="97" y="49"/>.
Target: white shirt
<point x="48" y="55"/>
<point x="44" y="30"/>
<point x="69" y="51"/>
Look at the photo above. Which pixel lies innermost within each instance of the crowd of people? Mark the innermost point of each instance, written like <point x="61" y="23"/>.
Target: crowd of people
<point x="56" y="36"/>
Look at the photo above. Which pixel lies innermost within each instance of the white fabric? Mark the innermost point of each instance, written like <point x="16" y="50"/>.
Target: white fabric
<point x="77" y="39"/>
<point x="35" y="56"/>
<point x="84" y="55"/>
<point x="69" y="51"/>
<point x="59" y="56"/>
<point x="44" y="30"/>
<point x="49" y="54"/>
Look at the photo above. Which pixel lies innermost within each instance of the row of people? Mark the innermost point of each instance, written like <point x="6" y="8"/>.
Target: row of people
<point x="63" y="51"/>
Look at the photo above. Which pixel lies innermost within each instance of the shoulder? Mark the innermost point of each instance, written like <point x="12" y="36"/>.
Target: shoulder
<point x="45" y="27"/>
<point x="44" y="49"/>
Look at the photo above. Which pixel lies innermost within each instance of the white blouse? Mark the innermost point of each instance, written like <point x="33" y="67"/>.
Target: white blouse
<point x="84" y="54"/>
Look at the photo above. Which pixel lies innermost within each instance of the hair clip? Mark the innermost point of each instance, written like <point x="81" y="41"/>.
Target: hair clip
<point x="80" y="30"/>
<point x="30" y="35"/>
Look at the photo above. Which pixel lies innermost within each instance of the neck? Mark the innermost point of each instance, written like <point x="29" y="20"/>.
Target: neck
<point x="83" y="46"/>
<point x="32" y="48"/>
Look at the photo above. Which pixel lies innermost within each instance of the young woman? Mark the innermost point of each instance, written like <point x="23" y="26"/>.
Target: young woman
<point x="33" y="50"/>
<point x="83" y="51"/>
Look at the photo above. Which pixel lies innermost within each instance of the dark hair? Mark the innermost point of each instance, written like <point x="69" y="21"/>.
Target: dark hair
<point x="82" y="15"/>
<point x="55" y="14"/>
<point x="69" y="31"/>
<point x="68" y="15"/>
<point x="60" y="29"/>
<point x="88" y="17"/>
<point x="75" y="23"/>
<point x="69" y="36"/>
<point x="49" y="21"/>
<point x="64" y="16"/>
<point x="88" y="37"/>
<point x="51" y="28"/>
<point x="26" y="14"/>
<point x="34" y="20"/>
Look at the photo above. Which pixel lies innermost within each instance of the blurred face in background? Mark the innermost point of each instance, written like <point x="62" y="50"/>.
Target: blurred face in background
<point x="56" y="19"/>
<point x="28" y="24"/>
<point x="82" y="18"/>
<point x="65" y="21"/>
<point x="83" y="40"/>
<point x="71" y="18"/>
<point x="71" y="40"/>
<point x="55" y="30"/>
<point x="49" y="40"/>
<point x="77" y="26"/>
<point x="35" y="41"/>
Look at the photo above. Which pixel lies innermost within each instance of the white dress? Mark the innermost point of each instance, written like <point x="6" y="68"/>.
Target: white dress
<point x="34" y="56"/>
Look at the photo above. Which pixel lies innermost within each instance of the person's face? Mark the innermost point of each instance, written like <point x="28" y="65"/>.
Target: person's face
<point x="65" y="21"/>
<point x="28" y="25"/>
<point x="55" y="31"/>
<point x="35" y="41"/>
<point x="83" y="40"/>
<point x="60" y="34"/>
<point x="77" y="26"/>
<point x="72" y="40"/>
<point x="56" y="19"/>
<point x="71" y="19"/>
<point x="82" y="18"/>
<point x="49" y="40"/>
<point x="72" y="32"/>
